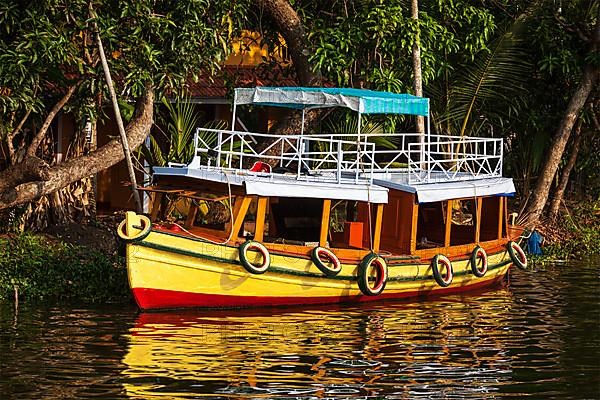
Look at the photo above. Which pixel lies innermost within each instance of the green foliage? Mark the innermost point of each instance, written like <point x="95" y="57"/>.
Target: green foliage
<point x="369" y="43"/>
<point x="47" y="45"/>
<point x="346" y="123"/>
<point x="176" y="145"/>
<point x="46" y="271"/>
<point x="489" y="84"/>
<point x="582" y="234"/>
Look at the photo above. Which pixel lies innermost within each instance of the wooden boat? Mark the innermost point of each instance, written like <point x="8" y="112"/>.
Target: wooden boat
<point x="324" y="218"/>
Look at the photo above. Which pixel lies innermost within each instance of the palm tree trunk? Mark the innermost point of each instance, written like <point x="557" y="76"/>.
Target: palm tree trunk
<point x="588" y="81"/>
<point x="564" y="177"/>
<point x="416" y="56"/>
<point x="542" y="188"/>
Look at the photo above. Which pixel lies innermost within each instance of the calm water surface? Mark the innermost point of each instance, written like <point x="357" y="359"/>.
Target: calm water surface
<point x="538" y="336"/>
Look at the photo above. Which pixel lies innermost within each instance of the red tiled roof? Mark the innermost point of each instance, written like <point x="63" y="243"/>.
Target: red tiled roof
<point x="232" y="76"/>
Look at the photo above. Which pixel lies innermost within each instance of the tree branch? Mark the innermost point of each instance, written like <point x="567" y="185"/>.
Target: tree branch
<point x="291" y="28"/>
<point x="11" y="136"/>
<point x="35" y="143"/>
<point x="65" y="173"/>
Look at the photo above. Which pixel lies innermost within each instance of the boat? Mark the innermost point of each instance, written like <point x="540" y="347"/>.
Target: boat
<point x="318" y="218"/>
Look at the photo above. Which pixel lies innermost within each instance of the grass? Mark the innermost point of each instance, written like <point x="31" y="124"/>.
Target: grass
<point x="40" y="269"/>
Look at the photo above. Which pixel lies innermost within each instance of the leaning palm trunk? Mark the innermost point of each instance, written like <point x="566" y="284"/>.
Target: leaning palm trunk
<point x="564" y="177"/>
<point x="561" y="137"/>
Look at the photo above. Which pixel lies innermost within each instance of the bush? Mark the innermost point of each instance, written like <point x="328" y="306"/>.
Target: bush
<point x="41" y="269"/>
<point x="580" y="233"/>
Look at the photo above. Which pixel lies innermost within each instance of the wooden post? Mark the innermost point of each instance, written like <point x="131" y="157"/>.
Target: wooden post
<point x="500" y="216"/>
<point x="478" y="203"/>
<point x="156" y="203"/>
<point x="413" y="228"/>
<point x="325" y="222"/>
<point x="239" y="213"/>
<point x="191" y="217"/>
<point x="259" y="230"/>
<point x="448" y="223"/>
<point x="378" y="223"/>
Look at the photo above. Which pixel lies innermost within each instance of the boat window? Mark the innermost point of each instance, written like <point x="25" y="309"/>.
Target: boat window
<point x="464" y="214"/>
<point x="294" y="220"/>
<point x="431" y="225"/>
<point x="348" y="224"/>
<point x="210" y="214"/>
<point x="490" y="218"/>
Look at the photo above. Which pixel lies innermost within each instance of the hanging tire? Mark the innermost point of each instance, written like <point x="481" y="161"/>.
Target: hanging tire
<point x="145" y="228"/>
<point x="266" y="257"/>
<point x="479" y="254"/>
<point x="372" y="262"/>
<point x="319" y="253"/>
<point x="444" y="280"/>
<point x="517" y="255"/>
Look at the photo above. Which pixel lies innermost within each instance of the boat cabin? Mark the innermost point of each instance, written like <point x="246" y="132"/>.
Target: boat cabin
<point x="416" y="196"/>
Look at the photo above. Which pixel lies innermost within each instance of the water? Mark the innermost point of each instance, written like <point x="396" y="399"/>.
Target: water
<point x="538" y="336"/>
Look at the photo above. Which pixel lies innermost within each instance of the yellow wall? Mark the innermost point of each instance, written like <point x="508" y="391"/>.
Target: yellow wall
<point x="247" y="50"/>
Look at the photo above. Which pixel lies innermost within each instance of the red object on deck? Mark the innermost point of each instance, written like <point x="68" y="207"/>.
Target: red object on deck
<point x="353" y="234"/>
<point x="260" y="166"/>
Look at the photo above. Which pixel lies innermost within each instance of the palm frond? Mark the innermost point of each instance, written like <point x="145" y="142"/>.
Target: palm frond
<point x="492" y="78"/>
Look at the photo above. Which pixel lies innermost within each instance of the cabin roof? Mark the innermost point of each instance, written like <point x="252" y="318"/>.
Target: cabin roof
<point x="324" y="187"/>
<point x="281" y="185"/>
<point x="446" y="190"/>
<point x="360" y="100"/>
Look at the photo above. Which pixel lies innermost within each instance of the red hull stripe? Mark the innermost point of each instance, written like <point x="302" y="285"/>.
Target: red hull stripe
<point x="148" y="299"/>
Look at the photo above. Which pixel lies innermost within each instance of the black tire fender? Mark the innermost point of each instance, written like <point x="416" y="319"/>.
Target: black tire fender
<point x="365" y="268"/>
<point x="317" y="256"/>
<point x="254" y="245"/>
<point x="477" y="254"/>
<point x="443" y="281"/>
<point x="517" y="255"/>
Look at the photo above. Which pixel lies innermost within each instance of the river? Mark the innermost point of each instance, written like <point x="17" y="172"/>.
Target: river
<point x="536" y="336"/>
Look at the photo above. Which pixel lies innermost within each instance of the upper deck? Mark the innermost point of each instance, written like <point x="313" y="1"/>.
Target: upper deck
<point x="352" y="163"/>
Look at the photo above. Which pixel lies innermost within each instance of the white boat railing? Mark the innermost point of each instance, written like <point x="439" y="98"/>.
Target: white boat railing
<point x="338" y="157"/>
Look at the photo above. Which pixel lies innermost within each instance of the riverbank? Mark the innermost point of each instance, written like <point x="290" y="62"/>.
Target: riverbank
<point x="70" y="263"/>
<point x="574" y="235"/>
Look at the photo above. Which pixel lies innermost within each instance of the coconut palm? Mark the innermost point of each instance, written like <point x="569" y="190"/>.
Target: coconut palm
<point x="496" y="77"/>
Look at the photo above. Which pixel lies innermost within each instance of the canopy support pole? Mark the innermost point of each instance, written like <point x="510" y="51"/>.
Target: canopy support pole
<point x="428" y="163"/>
<point x="358" y="152"/>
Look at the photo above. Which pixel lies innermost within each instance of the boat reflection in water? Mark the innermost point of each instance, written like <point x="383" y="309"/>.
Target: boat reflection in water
<point x="452" y="347"/>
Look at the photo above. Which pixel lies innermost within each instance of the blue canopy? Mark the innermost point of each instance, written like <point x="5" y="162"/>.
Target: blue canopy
<point x="360" y="100"/>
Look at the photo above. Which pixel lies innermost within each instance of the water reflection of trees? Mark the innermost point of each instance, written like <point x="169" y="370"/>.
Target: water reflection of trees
<point x="62" y="352"/>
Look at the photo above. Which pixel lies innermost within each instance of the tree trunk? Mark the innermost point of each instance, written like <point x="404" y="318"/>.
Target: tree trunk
<point x="291" y="28"/>
<point x="542" y="188"/>
<point x="564" y="177"/>
<point x="416" y="56"/>
<point x="61" y="175"/>
<point x="588" y="81"/>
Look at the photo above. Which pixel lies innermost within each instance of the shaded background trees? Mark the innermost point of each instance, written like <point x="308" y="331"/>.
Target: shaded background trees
<point x="492" y="68"/>
<point x="49" y="63"/>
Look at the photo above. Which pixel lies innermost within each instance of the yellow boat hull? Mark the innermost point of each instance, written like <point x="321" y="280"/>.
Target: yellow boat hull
<point x="172" y="270"/>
